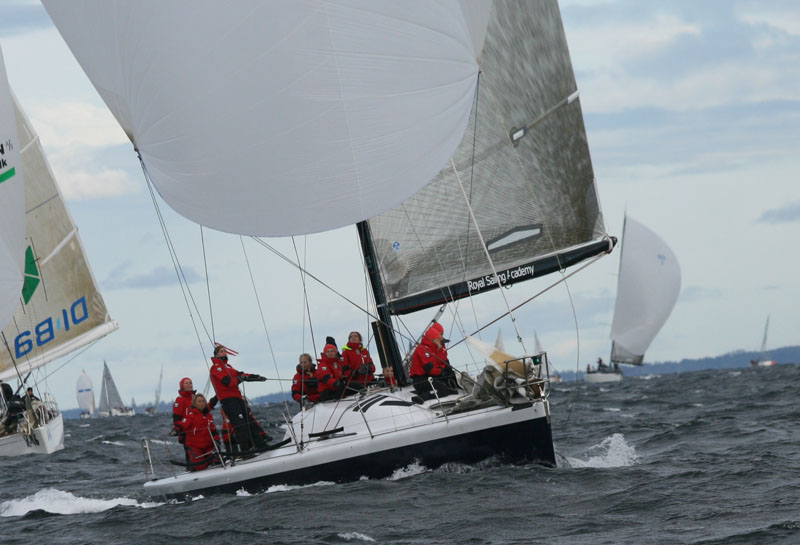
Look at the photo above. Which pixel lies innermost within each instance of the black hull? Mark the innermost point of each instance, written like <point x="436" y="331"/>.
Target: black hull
<point x="531" y="440"/>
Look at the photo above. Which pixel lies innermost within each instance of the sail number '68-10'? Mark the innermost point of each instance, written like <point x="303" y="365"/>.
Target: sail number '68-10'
<point x="45" y="331"/>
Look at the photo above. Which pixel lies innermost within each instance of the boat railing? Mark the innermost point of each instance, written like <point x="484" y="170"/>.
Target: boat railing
<point x="534" y="378"/>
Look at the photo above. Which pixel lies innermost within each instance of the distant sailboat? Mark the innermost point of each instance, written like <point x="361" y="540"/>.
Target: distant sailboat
<point x="84" y="391"/>
<point x="647" y="288"/>
<point x="154" y="409"/>
<point x="763" y="361"/>
<point x="110" y="400"/>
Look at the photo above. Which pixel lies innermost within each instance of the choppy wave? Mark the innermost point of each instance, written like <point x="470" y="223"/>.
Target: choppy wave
<point x="408" y="471"/>
<point x="59" y="502"/>
<point x="612" y="451"/>
<point x="357" y="536"/>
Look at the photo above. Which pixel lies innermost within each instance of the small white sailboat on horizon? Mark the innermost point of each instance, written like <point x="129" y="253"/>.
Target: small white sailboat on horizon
<point x="84" y="393"/>
<point x="648" y="286"/>
<point x="110" y="401"/>
<point x="763" y="361"/>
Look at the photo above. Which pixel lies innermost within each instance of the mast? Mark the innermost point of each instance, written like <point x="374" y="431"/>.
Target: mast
<point x="384" y="335"/>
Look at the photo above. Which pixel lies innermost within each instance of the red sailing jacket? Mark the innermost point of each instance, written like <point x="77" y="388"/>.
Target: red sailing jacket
<point x="354" y="355"/>
<point x="328" y="372"/>
<point x="182" y="405"/>
<point x="428" y="359"/>
<point x="305" y="384"/>
<point x="219" y="371"/>
<point x="198" y="428"/>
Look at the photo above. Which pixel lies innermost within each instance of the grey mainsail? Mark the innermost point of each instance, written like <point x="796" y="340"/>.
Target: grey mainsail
<point x="524" y="163"/>
<point x="109" y="395"/>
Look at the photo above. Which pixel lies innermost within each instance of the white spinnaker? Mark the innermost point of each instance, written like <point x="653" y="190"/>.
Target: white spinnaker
<point x="84" y="392"/>
<point x="278" y="118"/>
<point x="12" y="206"/>
<point x="647" y="288"/>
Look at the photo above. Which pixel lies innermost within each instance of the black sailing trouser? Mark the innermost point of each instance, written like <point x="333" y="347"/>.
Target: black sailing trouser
<point x="245" y="428"/>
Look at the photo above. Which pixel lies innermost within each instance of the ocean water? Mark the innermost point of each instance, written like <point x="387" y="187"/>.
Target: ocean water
<point x="709" y="457"/>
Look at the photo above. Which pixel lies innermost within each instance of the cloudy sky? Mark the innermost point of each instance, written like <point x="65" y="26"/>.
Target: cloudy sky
<point x="692" y="112"/>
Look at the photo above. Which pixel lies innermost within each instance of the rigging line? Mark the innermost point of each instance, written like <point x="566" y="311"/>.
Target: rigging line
<point x="293" y="264"/>
<point x="57" y="369"/>
<point x="471" y="186"/>
<point x="489" y="257"/>
<point x="208" y="285"/>
<point x="263" y="321"/>
<point x="13" y="360"/>
<point x="577" y="355"/>
<point x="306" y="308"/>
<point x="529" y="299"/>
<point x="175" y="263"/>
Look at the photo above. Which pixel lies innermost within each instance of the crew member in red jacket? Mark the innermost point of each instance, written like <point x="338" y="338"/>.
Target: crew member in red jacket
<point x="329" y="374"/>
<point x="181" y="407"/>
<point x="225" y="380"/>
<point x="305" y="383"/>
<point x="388" y="377"/>
<point x="430" y="360"/>
<point x="357" y="366"/>
<point x="200" y="432"/>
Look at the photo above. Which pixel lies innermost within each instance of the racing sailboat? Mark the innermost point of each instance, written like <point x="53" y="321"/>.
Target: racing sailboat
<point x="84" y="393"/>
<point x="449" y="133"/>
<point x="57" y="308"/>
<point x="110" y="401"/>
<point x="762" y="361"/>
<point x="648" y="286"/>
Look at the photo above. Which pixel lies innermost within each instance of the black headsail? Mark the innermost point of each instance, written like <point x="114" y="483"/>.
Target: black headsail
<point x="524" y="163"/>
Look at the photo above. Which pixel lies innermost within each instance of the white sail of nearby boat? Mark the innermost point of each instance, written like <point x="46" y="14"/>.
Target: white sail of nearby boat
<point x="84" y="392"/>
<point x="58" y="307"/>
<point x="763" y="361"/>
<point x="374" y="129"/>
<point x="110" y="401"/>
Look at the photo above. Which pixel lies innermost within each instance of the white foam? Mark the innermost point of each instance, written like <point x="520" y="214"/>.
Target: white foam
<point x="286" y="487"/>
<point x="612" y="409"/>
<point x="116" y="443"/>
<point x="59" y="502"/>
<point x="408" y="471"/>
<point x="735" y="373"/>
<point x="611" y="452"/>
<point x="350" y="536"/>
<point x="243" y="492"/>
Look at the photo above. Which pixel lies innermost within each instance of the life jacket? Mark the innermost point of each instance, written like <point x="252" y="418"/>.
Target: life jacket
<point x="354" y="355"/>
<point x="328" y="372"/>
<point x="305" y="383"/>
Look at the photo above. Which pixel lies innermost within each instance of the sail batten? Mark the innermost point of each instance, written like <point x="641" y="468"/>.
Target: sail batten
<point x="524" y="162"/>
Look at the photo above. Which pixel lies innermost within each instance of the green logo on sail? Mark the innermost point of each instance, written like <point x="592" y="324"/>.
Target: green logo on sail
<point x="7" y="174"/>
<point x="32" y="277"/>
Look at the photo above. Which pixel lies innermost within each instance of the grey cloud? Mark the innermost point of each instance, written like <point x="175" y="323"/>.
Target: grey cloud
<point x="784" y="214"/>
<point x="699" y="293"/>
<point x="122" y="278"/>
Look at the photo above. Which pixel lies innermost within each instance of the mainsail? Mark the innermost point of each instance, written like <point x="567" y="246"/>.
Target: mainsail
<point x="84" y="392"/>
<point x="109" y="395"/>
<point x="12" y="206"/>
<point x="59" y="307"/>
<point x="255" y="111"/>
<point x="647" y="288"/>
<point x="524" y="164"/>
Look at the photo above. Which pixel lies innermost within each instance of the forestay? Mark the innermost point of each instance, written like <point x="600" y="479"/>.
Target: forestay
<point x="525" y="166"/>
<point x="647" y="288"/>
<point x="278" y="118"/>
<point x="12" y="205"/>
<point x="59" y="308"/>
